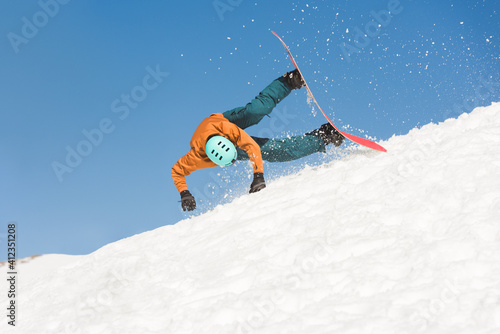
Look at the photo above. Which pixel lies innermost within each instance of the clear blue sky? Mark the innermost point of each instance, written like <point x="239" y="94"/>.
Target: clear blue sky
<point x="84" y="65"/>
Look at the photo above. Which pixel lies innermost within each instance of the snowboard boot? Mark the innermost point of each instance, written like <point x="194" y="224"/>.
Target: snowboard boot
<point x="328" y="134"/>
<point x="294" y="80"/>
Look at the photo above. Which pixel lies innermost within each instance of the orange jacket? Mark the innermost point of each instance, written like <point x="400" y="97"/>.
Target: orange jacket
<point x="215" y="124"/>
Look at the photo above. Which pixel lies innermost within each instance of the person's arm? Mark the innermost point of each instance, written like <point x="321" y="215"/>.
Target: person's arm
<point x="185" y="166"/>
<point x="241" y="139"/>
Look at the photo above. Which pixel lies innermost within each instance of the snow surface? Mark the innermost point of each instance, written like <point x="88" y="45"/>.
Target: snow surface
<point x="33" y="267"/>
<point x="401" y="242"/>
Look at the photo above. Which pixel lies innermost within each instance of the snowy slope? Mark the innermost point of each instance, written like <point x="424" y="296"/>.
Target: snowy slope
<point x="35" y="266"/>
<point x="402" y="242"/>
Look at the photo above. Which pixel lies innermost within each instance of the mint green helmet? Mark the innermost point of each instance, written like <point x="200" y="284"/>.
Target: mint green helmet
<point x="221" y="151"/>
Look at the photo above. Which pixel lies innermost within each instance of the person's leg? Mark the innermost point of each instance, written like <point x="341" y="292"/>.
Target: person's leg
<point x="287" y="149"/>
<point x="261" y="106"/>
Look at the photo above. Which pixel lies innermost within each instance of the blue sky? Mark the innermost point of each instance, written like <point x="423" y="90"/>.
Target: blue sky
<point x="137" y="78"/>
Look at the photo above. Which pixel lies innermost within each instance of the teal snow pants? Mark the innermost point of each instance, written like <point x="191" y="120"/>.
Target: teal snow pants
<point x="273" y="150"/>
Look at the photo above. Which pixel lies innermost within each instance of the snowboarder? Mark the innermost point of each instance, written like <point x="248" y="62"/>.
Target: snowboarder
<point x="219" y="140"/>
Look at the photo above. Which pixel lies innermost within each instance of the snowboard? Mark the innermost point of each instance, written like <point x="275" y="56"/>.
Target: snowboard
<point x="356" y="139"/>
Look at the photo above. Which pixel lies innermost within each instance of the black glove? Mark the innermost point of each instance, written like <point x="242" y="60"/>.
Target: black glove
<point x="187" y="201"/>
<point x="258" y="183"/>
